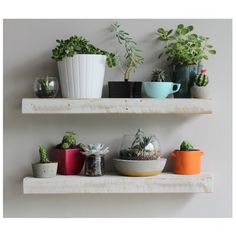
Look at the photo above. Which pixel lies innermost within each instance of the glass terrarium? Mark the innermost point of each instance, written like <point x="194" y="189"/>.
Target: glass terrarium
<point x="140" y="146"/>
<point x="46" y="87"/>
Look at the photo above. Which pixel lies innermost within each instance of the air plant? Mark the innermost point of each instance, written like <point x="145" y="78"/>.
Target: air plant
<point x="96" y="149"/>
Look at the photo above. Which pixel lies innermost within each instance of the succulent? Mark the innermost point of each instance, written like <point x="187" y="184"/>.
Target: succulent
<point x="186" y="146"/>
<point x="69" y="141"/>
<point x="43" y="154"/>
<point x="141" y="148"/>
<point x="95" y="149"/>
<point x="158" y="75"/>
<point x="132" y="57"/>
<point x="202" y="79"/>
<point x="44" y="83"/>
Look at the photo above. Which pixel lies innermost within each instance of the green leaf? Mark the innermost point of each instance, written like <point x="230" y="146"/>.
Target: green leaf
<point x="161" y="30"/>
<point x="190" y="28"/>
<point x="180" y="27"/>
<point x="209" y="46"/>
<point x="212" y="51"/>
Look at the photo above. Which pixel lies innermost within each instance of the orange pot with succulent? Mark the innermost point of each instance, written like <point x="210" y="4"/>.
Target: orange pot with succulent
<point x="187" y="160"/>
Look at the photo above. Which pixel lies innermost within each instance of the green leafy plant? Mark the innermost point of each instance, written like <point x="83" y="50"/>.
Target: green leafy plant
<point x="139" y="149"/>
<point x="186" y="146"/>
<point x="45" y="85"/>
<point x="158" y="75"/>
<point x="69" y="141"/>
<point x="182" y="47"/>
<point x="96" y="149"/>
<point x="79" y="45"/>
<point x="43" y="154"/>
<point x="132" y="56"/>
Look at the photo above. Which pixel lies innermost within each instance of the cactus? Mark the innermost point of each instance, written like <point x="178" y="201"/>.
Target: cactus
<point x="202" y="79"/>
<point x="95" y="149"/>
<point x="68" y="141"/>
<point x="158" y="75"/>
<point x="43" y="154"/>
<point x="186" y="146"/>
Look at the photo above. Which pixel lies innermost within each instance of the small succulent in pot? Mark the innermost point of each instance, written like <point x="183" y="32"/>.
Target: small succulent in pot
<point x="46" y="87"/>
<point x="200" y="88"/>
<point x="94" y="162"/>
<point x="69" y="155"/>
<point x="142" y="147"/>
<point x="158" y="75"/>
<point x="187" y="160"/>
<point x="44" y="168"/>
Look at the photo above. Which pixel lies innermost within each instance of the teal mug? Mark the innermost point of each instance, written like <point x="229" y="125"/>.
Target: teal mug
<point x="160" y="89"/>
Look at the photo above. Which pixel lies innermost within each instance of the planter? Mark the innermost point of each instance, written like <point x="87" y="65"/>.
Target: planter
<point x="160" y="89"/>
<point x="70" y="161"/>
<point x="94" y="165"/>
<point x="125" y="89"/>
<point x="187" y="162"/>
<point x="185" y="75"/>
<point x="44" y="170"/>
<point x="200" y="92"/>
<point x="81" y="76"/>
<point x="46" y="87"/>
<point x="139" y="168"/>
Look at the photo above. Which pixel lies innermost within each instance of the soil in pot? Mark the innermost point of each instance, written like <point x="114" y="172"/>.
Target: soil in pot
<point x="94" y="165"/>
<point x="46" y="94"/>
<point x="125" y="89"/>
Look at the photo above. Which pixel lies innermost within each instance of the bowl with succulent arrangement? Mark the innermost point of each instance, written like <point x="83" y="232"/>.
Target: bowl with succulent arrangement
<point x="46" y="87"/>
<point x="69" y="155"/>
<point x="132" y="58"/>
<point x="200" y="88"/>
<point x="139" y="155"/>
<point x="185" y="50"/>
<point x="186" y="160"/>
<point x="44" y="168"/>
<point x="94" y="161"/>
<point x="81" y="67"/>
<point x="159" y="87"/>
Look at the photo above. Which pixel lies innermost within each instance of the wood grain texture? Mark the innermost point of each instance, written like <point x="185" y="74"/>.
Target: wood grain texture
<point x="163" y="183"/>
<point x="116" y="106"/>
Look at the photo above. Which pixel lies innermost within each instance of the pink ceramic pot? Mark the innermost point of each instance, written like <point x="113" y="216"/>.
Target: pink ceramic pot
<point x="70" y="161"/>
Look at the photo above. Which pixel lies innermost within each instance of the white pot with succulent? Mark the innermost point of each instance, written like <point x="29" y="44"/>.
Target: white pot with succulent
<point x="200" y="88"/>
<point x="81" y="67"/>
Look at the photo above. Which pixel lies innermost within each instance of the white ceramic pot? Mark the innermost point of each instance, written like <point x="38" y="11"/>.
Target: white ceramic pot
<point x="140" y="167"/>
<point x="200" y="92"/>
<point x="81" y="76"/>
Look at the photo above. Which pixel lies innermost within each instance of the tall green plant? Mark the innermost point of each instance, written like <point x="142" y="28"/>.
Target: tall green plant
<point x="183" y="47"/>
<point x="79" y="45"/>
<point x="132" y="56"/>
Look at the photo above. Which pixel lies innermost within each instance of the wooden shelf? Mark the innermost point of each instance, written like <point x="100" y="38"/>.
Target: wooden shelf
<point x="116" y="106"/>
<point x="163" y="183"/>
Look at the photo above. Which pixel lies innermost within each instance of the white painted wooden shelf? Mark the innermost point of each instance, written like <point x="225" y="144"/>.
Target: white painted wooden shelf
<point x="116" y="106"/>
<point x="163" y="183"/>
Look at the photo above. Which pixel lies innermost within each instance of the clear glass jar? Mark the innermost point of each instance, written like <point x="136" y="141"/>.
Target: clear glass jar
<point x="46" y="87"/>
<point x="140" y="146"/>
<point x="94" y="165"/>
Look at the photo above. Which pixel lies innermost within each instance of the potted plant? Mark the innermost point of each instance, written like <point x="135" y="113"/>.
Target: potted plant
<point x="185" y="51"/>
<point x="69" y="155"/>
<point x="200" y="88"/>
<point x="46" y="87"/>
<point x="139" y="155"/>
<point x="94" y="162"/>
<point x="44" y="168"/>
<point x="81" y="67"/>
<point x="132" y="59"/>
<point x="158" y="87"/>
<point x="187" y="160"/>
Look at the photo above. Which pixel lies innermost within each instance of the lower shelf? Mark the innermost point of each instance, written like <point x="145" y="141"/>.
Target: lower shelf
<point x="163" y="183"/>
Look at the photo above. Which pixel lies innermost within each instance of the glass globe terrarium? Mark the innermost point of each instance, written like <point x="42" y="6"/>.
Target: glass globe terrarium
<point x="140" y="146"/>
<point x="46" y="87"/>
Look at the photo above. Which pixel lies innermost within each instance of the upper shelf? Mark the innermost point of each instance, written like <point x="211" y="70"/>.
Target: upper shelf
<point x="116" y="106"/>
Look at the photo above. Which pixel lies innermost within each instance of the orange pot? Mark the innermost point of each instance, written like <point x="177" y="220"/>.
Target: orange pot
<point x="187" y="162"/>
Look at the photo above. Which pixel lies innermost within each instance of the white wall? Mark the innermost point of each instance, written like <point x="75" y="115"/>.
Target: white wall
<point x="27" y="51"/>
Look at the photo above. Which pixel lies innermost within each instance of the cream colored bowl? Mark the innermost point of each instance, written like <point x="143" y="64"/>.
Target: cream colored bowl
<point x="140" y="167"/>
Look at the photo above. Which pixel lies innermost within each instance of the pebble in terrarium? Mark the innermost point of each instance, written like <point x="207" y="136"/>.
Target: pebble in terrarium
<point x="140" y="147"/>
